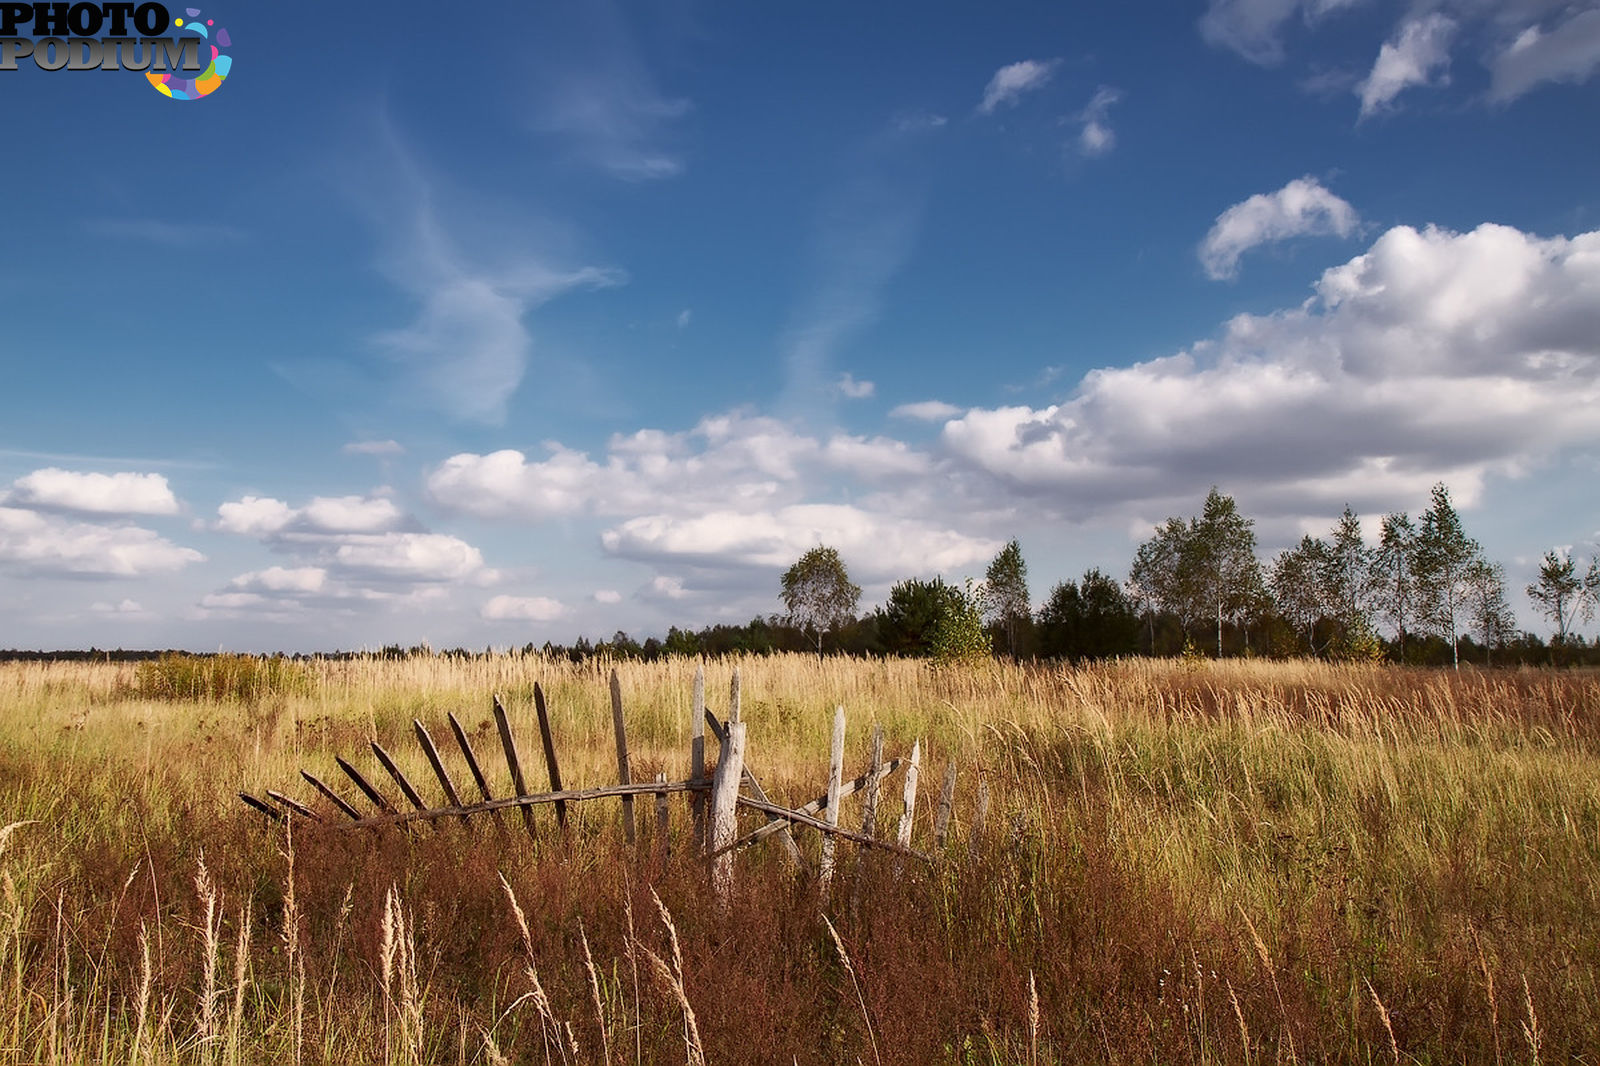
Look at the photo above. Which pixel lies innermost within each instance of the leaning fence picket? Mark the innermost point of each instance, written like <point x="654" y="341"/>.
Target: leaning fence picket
<point x="549" y="743"/>
<point x="509" y="743"/>
<point x="623" y="775"/>
<point x="835" y="779"/>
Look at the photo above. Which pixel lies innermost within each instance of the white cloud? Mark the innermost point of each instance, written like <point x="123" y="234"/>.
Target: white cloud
<point x="1568" y="52"/>
<point x="876" y="545"/>
<point x="851" y="389"/>
<point x="1434" y="356"/>
<point x="53" y="489"/>
<point x="1012" y="80"/>
<point x="374" y="447"/>
<point x="408" y="557"/>
<point x="607" y="596"/>
<point x="37" y="544"/>
<point x="279" y="579"/>
<point x="121" y="609"/>
<point x="609" y="111"/>
<point x="684" y="318"/>
<point x="523" y="609"/>
<point x="1254" y="28"/>
<point x="1097" y="138"/>
<point x="257" y="516"/>
<point x="1301" y="208"/>
<point x="926" y="411"/>
<point x="1418" y="54"/>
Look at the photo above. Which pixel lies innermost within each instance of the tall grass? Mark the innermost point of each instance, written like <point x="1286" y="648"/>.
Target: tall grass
<point x="1183" y="862"/>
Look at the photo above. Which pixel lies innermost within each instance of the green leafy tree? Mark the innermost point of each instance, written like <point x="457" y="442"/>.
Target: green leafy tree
<point x="1562" y="595"/>
<point x="1488" y="612"/>
<point x="1005" y="593"/>
<point x="1297" y="587"/>
<point x="960" y="636"/>
<point x="1394" y="579"/>
<point x="1444" y="559"/>
<point x="818" y="593"/>
<point x="1091" y="619"/>
<point x="1347" y="578"/>
<point x="1219" y="562"/>
<point x="1156" y="579"/>
<point x="909" y="619"/>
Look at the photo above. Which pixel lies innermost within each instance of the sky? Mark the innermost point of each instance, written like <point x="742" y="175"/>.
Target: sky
<point x="480" y="326"/>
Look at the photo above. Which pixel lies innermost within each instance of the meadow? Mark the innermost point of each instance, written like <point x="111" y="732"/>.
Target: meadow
<point x="1183" y="862"/>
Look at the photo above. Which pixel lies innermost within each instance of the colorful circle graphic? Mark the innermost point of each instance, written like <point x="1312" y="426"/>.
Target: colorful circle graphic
<point x="169" y="83"/>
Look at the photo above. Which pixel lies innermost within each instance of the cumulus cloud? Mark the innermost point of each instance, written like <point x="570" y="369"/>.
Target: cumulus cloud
<point x="53" y="489"/>
<point x="408" y="557"/>
<point x="523" y="609"/>
<point x="1096" y="137"/>
<point x="607" y="596"/>
<point x="878" y="546"/>
<point x="374" y="447"/>
<point x="258" y="516"/>
<point x="926" y="411"/>
<point x="300" y="579"/>
<point x="851" y="389"/>
<point x="1014" y="79"/>
<point x="44" y="544"/>
<point x="1435" y="355"/>
<point x="1299" y="209"/>
<point x="1418" y="54"/>
<point x="1568" y="52"/>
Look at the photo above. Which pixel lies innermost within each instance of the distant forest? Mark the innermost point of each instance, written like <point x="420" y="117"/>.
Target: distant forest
<point x="1424" y="594"/>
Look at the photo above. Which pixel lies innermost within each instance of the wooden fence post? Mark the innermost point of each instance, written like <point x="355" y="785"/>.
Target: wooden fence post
<point x="903" y="837"/>
<point x="509" y="743"/>
<point x="980" y="816"/>
<point x="549" y="753"/>
<point x="623" y="776"/>
<point x="835" y="781"/>
<point x="725" y="807"/>
<point x="697" y="755"/>
<point x="947" y="799"/>
<point x="663" y="822"/>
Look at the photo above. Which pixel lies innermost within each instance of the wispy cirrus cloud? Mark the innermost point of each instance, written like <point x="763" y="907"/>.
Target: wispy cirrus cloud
<point x="1012" y="81"/>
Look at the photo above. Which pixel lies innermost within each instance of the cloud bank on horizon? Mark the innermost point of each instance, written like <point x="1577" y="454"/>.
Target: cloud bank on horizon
<point x="494" y="417"/>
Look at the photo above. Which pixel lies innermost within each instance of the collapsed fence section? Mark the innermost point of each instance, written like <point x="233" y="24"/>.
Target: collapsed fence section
<point x="715" y="797"/>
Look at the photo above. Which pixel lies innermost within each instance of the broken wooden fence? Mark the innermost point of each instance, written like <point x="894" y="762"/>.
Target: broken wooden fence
<point x="715" y="798"/>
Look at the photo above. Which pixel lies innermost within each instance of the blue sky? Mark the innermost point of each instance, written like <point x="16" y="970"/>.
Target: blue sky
<point x="492" y="325"/>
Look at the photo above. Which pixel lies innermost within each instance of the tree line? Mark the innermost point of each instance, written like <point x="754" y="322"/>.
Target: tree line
<point x="1423" y="593"/>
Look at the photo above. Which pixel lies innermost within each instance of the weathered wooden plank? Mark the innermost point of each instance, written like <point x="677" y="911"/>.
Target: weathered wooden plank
<point x="406" y="788"/>
<point x="439" y="771"/>
<point x="725" y="807"/>
<point x="823" y="827"/>
<point x="980" y="816"/>
<point x="909" y="796"/>
<point x="818" y="805"/>
<point x="733" y="697"/>
<point x="869" y="816"/>
<point x="789" y="846"/>
<point x="663" y="822"/>
<point x="294" y="805"/>
<point x="947" y="799"/>
<point x="549" y="752"/>
<point x="360" y="782"/>
<point x="835" y="780"/>
<point x="265" y="808"/>
<point x="571" y="795"/>
<point x="472" y="759"/>
<point x="697" y="754"/>
<point x="623" y="776"/>
<point x="509" y="744"/>
<point x="333" y="797"/>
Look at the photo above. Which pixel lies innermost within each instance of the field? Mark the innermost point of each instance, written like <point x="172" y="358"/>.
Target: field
<point x="1184" y="862"/>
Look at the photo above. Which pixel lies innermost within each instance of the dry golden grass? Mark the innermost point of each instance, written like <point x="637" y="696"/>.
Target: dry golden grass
<point x="1203" y="862"/>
